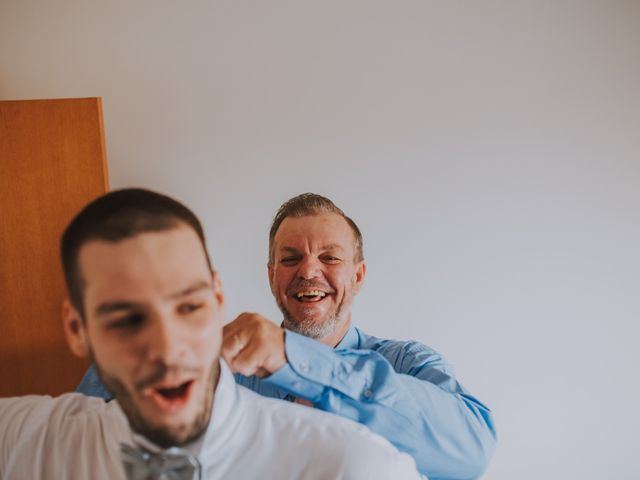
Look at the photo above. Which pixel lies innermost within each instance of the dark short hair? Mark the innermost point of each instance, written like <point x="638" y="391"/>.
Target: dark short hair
<point x="307" y="204"/>
<point x="116" y="216"/>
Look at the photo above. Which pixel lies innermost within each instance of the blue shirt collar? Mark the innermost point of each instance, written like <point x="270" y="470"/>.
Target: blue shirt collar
<point x="351" y="339"/>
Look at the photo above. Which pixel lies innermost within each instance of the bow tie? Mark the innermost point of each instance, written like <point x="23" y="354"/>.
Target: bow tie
<point x="144" y="465"/>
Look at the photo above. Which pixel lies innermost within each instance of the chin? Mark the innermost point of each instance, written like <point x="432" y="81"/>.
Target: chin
<point x="174" y="432"/>
<point x="312" y="328"/>
<point x="172" y="436"/>
<point x="167" y="428"/>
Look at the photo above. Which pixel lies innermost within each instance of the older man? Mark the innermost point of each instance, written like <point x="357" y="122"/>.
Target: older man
<point x="403" y="390"/>
<point x="147" y="307"/>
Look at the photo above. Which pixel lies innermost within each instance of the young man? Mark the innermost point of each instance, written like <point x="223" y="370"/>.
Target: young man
<point x="147" y="307"/>
<point x="404" y="391"/>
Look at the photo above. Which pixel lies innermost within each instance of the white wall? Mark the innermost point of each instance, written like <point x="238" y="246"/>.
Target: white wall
<point x="489" y="151"/>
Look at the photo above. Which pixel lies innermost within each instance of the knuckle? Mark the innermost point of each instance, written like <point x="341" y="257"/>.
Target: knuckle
<point x="245" y="369"/>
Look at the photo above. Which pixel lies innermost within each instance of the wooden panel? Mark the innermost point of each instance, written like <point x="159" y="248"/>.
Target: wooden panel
<point x="52" y="162"/>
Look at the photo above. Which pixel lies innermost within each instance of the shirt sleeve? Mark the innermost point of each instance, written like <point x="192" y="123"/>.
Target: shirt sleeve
<point x="20" y="417"/>
<point x="419" y="405"/>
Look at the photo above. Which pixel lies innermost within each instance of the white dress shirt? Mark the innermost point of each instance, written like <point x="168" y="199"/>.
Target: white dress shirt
<point x="249" y="436"/>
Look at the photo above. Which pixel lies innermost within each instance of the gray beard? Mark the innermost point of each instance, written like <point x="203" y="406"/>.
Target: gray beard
<point x="311" y="328"/>
<point x="162" y="437"/>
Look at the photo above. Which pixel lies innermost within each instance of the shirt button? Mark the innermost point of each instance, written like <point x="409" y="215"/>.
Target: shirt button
<point x="304" y="367"/>
<point x="296" y="384"/>
<point x="367" y="393"/>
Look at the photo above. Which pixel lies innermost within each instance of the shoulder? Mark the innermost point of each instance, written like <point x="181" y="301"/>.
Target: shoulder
<point x="39" y="432"/>
<point x="369" y="455"/>
<point x="80" y="412"/>
<point x="33" y="409"/>
<point x="343" y="448"/>
<point x="406" y="356"/>
<point x="26" y="414"/>
<point x="258" y="385"/>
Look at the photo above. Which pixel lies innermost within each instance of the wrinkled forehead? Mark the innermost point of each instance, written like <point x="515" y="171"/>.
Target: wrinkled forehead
<point x="145" y="265"/>
<point x="320" y="230"/>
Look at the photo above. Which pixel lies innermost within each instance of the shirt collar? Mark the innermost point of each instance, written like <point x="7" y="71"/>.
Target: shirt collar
<point x="351" y="339"/>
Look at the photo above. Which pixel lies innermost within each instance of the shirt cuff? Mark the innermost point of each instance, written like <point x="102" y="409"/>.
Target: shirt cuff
<point x="309" y="367"/>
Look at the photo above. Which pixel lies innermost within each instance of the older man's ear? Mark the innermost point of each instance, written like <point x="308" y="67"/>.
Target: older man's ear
<point x="358" y="278"/>
<point x="270" y="275"/>
<point x="74" y="330"/>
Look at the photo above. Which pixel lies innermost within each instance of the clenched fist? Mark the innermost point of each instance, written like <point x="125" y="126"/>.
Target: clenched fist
<point x="252" y="345"/>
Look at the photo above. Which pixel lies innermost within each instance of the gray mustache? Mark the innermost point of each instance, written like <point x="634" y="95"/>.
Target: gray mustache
<point x="308" y="285"/>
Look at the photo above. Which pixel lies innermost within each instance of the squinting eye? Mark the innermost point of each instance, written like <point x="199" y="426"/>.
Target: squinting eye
<point x="128" y="322"/>
<point x="289" y="260"/>
<point x="187" y="308"/>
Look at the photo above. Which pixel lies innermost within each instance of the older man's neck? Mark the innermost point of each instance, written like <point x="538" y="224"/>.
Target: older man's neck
<point x="338" y="334"/>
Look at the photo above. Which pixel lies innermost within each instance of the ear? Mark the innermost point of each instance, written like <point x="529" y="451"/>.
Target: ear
<point x="218" y="292"/>
<point x="270" y="273"/>
<point x="74" y="330"/>
<point x="358" y="280"/>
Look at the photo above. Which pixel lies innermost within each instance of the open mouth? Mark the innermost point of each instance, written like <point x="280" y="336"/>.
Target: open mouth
<point x="174" y="393"/>
<point x="310" y="296"/>
<point x="168" y="397"/>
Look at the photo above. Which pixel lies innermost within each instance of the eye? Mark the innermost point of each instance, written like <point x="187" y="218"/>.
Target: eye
<point x="187" y="308"/>
<point x="127" y="323"/>
<point x="289" y="260"/>
<point x="330" y="259"/>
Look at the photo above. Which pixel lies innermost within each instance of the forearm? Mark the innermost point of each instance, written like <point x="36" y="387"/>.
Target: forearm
<point x="448" y="432"/>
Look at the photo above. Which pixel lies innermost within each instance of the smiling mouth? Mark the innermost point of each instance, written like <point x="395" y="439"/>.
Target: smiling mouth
<point x="170" y="398"/>
<point x="310" y="296"/>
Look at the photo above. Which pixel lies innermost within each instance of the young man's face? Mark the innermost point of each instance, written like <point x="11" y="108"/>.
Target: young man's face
<point x="154" y="317"/>
<point x="314" y="276"/>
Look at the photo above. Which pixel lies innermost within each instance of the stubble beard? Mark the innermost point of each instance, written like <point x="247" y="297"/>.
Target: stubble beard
<point x="314" y="328"/>
<point x="162" y="436"/>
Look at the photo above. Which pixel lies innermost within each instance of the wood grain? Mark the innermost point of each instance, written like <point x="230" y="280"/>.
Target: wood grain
<point x="52" y="162"/>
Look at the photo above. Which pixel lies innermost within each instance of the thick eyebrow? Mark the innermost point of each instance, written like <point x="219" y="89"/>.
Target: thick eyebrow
<point x="110" y="307"/>
<point x="324" y="248"/>
<point x="196" y="287"/>
<point x="289" y="250"/>
<point x="116" y="306"/>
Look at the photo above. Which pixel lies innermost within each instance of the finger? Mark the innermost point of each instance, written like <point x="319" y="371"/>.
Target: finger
<point x="249" y="360"/>
<point x="232" y="328"/>
<point x="262" y="356"/>
<point x="240" y="323"/>
<point x="228" y="334"/>
<point x="232" y="346"/>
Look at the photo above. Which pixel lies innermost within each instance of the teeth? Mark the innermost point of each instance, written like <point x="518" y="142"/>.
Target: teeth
<point x="311" y="293"/>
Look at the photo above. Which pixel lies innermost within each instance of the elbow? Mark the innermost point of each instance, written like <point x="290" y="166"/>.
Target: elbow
<point x="481" y="450"/>
<point x="483" y="454"/>
<point x="466" y="456"/>
<point x="484" y="433"/>
<point x="480" y="446"/>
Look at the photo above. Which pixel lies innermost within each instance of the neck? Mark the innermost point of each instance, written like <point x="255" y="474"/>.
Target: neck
<point x="338" y="334"/>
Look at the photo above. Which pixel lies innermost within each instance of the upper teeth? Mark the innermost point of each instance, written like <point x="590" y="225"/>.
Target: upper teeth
<point x="311" y="293"/>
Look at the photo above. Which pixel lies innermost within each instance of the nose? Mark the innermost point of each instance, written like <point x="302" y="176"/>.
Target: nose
<point x="164" y="340"/>
<point x="309" y="268"/>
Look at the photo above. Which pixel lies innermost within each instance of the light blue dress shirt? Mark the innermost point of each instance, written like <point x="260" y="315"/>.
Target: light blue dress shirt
<point x="402" y="390"/>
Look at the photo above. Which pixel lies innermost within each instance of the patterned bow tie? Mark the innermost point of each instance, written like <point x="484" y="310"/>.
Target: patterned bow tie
<point x="143" y="465"/>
